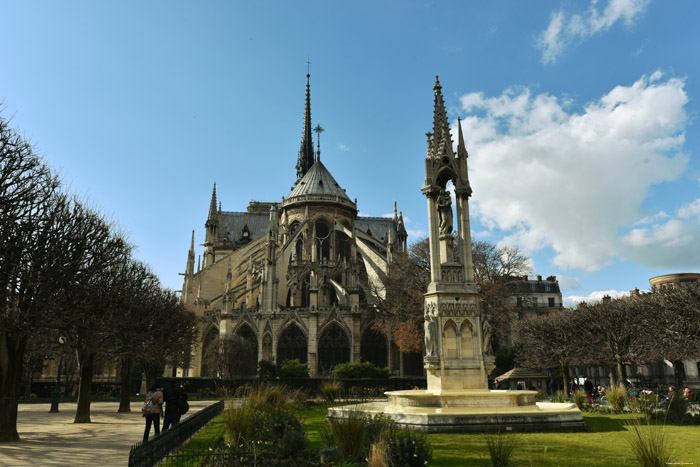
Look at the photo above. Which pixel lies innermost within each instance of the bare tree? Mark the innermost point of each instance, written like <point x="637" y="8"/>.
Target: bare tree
<point x="402" y="307"/>
<point x="233" y="356"/>
<point x="614" y="332"/>
<point x="552" y="340"/>
<point x="672" y="323"/>
<point x="27" y="194"/>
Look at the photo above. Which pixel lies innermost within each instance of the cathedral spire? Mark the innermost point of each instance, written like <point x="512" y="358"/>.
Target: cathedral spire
<point x="306" y="152"/>
<point x="212" y="205"/>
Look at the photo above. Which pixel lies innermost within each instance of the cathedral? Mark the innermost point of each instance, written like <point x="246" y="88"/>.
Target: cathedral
<point x="297" y="278"/>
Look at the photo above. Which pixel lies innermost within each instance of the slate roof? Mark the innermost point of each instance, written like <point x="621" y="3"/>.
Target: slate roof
<point x="377" y="227"/>
<point x="318" y="181"/>
<point x="231" y="223"/>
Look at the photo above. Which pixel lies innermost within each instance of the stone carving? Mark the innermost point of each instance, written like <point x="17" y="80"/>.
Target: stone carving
<point x="430" y="327"/>
<point x="452" y="273"/>
<point x="486" y="337"/>
<point x="445" y="212"/>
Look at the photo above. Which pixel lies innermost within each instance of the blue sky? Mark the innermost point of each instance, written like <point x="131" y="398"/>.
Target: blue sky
<point x="580" y="118"/>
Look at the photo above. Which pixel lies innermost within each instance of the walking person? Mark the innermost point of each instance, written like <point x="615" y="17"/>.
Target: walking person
<point x="171" y="395"/>
<point x="152" y="408"/>
<point x="182" y="405"/>
<point x="590" y="389"/>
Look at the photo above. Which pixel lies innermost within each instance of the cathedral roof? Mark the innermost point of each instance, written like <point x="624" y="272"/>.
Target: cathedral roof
<point x="377" y="227"/>
<point x="318" y="181"/>
<point x="232" y="224"/>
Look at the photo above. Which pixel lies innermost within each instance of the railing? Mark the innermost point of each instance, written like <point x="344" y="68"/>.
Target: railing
<point x="152" y="451"/>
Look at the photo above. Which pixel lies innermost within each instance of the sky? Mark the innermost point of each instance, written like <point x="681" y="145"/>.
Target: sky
<point x="580" y="118"/>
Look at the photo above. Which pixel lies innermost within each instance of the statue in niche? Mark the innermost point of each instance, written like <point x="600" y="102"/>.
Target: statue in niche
<point x="486" y="336"/>
<point x="445" y="212"/>
<point x="430" y="334"/>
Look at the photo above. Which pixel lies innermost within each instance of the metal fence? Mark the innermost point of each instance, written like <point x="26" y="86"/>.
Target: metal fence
<point x="152" y="451"/>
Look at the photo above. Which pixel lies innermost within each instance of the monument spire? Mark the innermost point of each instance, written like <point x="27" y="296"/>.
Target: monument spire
<point x="442" y="139"/>
<point x="306" y="152"/>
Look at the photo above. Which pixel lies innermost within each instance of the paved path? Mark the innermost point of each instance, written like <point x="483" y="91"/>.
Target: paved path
<point x="53" y="439"/>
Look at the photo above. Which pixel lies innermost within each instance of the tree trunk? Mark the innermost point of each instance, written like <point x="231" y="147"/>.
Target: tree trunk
<point x="612" y="374"/>
<point x="152" y="372"/>
<point x="678" y="370"/>
<point x="126" y="368"/>
<point x="565" y="377"/>
<point x="12" y="349"/>
<point x="622" y="374"/>
<point x="82" y="414"/>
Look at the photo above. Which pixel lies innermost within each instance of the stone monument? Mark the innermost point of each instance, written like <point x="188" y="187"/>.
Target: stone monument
<point x="458" y="356"/>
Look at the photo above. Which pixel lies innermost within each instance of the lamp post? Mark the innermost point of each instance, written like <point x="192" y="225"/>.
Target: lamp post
<point x="57" y="390"/>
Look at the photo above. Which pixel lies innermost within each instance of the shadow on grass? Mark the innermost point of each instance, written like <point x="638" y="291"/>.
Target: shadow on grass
<point x="603" y="424"/>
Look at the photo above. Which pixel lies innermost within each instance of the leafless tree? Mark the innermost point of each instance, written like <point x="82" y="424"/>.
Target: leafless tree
<point x="552" y="340"/>
<point x="672" y="326"/>
<point x="614" y="333"/>
<point x="232" y="356"/>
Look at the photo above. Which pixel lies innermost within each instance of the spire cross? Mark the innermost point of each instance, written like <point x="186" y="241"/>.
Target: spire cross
<point x="308" y="65"/>
<point x="319" y="129"/>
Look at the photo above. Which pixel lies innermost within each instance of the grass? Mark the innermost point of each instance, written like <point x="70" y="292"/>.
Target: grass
<point x="605" y="444"/>
<point x="208" y="437"/>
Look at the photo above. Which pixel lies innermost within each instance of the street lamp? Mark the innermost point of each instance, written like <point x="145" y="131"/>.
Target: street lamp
<point x="57" y="390"/>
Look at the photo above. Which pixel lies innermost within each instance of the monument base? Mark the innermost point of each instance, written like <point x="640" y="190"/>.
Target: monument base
<point x="476" y="411"/>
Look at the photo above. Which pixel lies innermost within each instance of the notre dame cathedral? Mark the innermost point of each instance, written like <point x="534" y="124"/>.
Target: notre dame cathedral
<point x="298" y="278"/>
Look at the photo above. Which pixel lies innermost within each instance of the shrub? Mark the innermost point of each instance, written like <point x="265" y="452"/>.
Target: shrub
<point x="677" y="408"/>
<point x="330" y="390"/>
<point x="501" y="446"/>
<point x="649" y="444"/>
<point x="617" y="397"/>
<point x="359" y="370"/>
<point x="646" y="404"/>
<point x="237" y="421"/>
<point x="330" y="454"/>
<point x="294" y="369"/>
<point x="560" y="396"/>
<point x="292" y="444"/>
<point x="267" y="370"/>
<point x="378" y="455"/>
<point x="266" y="416"/>
<point x="347" y="434"/>
<point x="408" y="447"/>
<point x="580" y="399"/>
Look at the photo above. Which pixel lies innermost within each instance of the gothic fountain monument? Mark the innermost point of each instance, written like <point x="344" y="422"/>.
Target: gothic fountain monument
<point x="458" y="356"/>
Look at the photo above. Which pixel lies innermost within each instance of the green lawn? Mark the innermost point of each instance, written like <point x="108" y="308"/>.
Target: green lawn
<point x="604" y="445"/>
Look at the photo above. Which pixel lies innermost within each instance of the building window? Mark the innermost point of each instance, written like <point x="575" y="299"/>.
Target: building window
<point x="551" y="302"/>
<point x="520" y="301"/>
<point x="534" y="302"/>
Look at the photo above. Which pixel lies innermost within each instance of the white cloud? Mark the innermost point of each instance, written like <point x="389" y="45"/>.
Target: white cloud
<point x="569" y="283"/>
<point x="690" y="210"/>
<point x="565" y="29"/>
<point x="653" y="218"/>
<point x="593" y="297"/>
<point x="571" y="181"/>
<point x="343" y="147"/>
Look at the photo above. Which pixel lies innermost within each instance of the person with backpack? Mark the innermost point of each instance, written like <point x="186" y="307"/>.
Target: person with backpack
<point x="171" y="395"/>
<point x="182" y="405"/>
<point x="152" y="408"/>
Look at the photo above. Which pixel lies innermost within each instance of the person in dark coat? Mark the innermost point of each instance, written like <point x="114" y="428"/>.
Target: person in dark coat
<point x="171" y="395"/>
<point x="590" y="390"/>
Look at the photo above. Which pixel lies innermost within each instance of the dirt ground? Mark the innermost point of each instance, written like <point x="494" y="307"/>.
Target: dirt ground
<point x="53" y="439"/>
